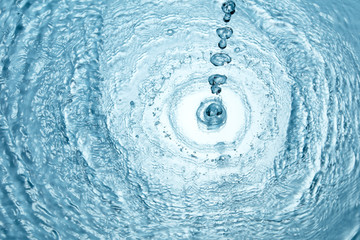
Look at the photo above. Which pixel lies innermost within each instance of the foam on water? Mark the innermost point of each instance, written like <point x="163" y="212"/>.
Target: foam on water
<point x="124" y="119"/>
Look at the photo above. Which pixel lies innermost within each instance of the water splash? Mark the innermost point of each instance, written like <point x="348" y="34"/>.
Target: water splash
<point x="211" y="114"/>
<point x="100" y="137"/>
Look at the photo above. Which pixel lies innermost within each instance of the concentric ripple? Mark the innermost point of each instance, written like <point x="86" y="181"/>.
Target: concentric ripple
<point x="109" y="128"/>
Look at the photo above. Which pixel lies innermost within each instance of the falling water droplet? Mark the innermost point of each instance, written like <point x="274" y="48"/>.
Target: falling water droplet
<point x="219" y="59"/>
<point x="217" y="79"/>
<point x="215" y="89"/>
<point x="228" y="7"/>
<point x="224" y="32"/>
<point x="222" y="44"/>
<point x="227" y="17"/>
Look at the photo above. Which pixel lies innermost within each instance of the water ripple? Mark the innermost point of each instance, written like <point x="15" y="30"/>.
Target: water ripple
<point x="109" y="128"/>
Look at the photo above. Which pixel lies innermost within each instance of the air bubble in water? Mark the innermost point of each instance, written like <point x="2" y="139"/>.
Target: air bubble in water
<point x="170" y="32"/>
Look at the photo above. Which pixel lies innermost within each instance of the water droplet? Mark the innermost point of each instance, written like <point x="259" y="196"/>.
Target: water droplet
<point x="237" y="50"/>
<point x="228" y="7"/>
<point x="219" y="59"/>
<point x="215" y="89"/>
<point x="222" y="44"/>
<point x="227" y="17"/>
<point x="217" y="79"/>
<point x="224" y="32"/>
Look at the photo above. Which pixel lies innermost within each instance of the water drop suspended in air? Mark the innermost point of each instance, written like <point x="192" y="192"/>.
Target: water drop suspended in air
<point x="215" y="89"/>
<point x="228" y="7"/>
<point x="217" y="79"/>
<point x="222" y="44"/>
<point x="219" y="59"/>
<point x="224" y="32"/>
<point x="227" y="17"/>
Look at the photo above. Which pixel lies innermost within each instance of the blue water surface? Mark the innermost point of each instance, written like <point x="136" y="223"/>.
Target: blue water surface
<point x="111" y="126"/>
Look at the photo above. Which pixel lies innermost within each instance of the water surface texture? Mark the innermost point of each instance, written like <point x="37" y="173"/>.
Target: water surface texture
<point x="109" y="128"/>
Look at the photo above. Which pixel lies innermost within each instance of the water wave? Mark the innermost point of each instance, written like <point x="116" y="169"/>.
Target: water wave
<point x="105" y="130"/>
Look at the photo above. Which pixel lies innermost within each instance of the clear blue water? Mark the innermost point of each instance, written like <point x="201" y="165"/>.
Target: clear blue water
<point x="101" y="137"/>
